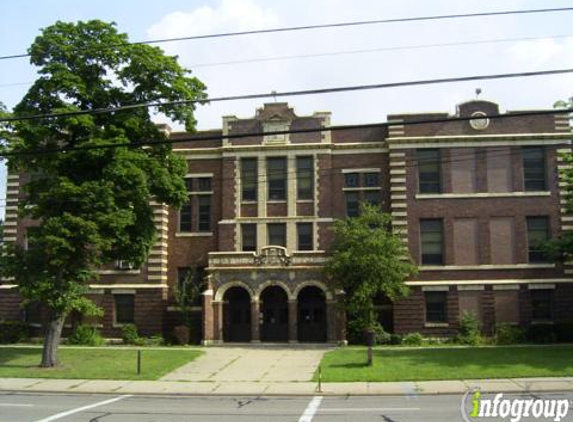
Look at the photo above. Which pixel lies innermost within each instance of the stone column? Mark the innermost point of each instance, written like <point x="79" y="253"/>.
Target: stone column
<point x="255" y="322"/>
<point x="331" y="321"/>
<point x="292" y="321"/>
<point x="208" y="331"/>
<point x="218" y="321"/>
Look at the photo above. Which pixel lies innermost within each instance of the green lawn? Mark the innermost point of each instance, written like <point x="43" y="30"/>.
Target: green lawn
<point x="399" y="364"/>
<point x="93" y="363"/>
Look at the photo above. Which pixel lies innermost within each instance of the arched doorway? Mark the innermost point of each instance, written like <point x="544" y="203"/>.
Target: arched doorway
<point x="311" y="315"/>
<point x="236" y="315"/>
<point x="274" y="310"/>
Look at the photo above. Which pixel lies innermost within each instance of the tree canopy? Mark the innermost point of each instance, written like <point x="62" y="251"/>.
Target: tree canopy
<point x="92" y="206"/>
<point x="367" y="259"/>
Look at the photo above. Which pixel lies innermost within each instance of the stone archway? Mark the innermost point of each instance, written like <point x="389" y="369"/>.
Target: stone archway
<point x="236" y="315"/>
<point x="273" y="302"/>
<point x="312" y="315"/>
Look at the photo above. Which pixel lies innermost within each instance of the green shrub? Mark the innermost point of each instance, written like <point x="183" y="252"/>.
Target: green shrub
<point x="86" y="335"/>
<point x="469" y="331"/>
<point x="13" y="332"/>
<point x="564" y="331"/>
<point x="156" y="340"/>
<point x="508" y="334"/>
<point x="130" y="335"/>
<point x="413" y="339"/>
<point x="395" y="339"/>
<point x="540" y="333"/>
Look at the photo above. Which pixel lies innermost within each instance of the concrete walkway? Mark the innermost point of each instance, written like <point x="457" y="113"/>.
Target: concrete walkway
<point x="251" y="364"/>
<point x="408" y="389"/>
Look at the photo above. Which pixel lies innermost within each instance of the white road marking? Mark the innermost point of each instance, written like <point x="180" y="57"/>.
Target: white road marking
<point x="369" y="409"/>
<point x="81" y="409"/>
<point x="15" y="405"/>
<point x="311" y="409"/>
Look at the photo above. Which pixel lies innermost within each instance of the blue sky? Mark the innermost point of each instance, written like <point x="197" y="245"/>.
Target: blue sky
<point x="21" y="21"/>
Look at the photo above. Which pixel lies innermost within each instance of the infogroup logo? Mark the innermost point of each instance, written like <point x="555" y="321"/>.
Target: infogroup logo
<point x="512" y="409"/>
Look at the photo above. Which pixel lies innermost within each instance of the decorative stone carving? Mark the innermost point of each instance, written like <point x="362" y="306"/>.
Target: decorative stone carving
<point x="480" y="120"/>
<point x="273" y="256"/>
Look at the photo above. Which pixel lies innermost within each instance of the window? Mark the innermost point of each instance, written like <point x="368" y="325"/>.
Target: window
<point x="537" y="234"/>
<point x="436" y="307"/>
<point x="371" y="180"/>
<point x="204" y="184"/>
<point x="534" y="169"/>
<point x="276" y="177"/>
<point x="183" y="274"/>
<point x="124" y="308"/>
<point x="352" y="180"/>
<point x="304" y="177"/>
<point x="372" y="197"/>
<point x="431" y="236"/>
<point x="429" y="177"/>
<point x="542" y="304"/>
<point x="195" y="215"/>
<point x="249" y="237"/>
<point x="277" y="234"/>
<point x="204" y="213"/>
<point x="304" y="231"/>
<point x="249" y="170"/>
<point x="352" y="204"/>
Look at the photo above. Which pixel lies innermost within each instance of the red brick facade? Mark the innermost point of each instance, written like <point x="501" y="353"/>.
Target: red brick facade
<point x="281" y="290"/>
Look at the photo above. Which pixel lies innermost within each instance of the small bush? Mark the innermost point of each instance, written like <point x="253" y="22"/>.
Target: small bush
<point x="156" y="340"/>
<point x="540" y="333"/>
<point x="86" y="335"/>
<point x="13" y="332"/>
<point x="564" y="331"/>
<point x="130" y="335"/>
<point x="382" y="337"/>
<point x="395" y="339"/>
<point x="508" y="334"/>
<point x="469" y="331"/>
<point x="413" y="339"/>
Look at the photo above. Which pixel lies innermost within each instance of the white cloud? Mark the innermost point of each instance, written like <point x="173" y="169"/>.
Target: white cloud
<point x="376" y="67"/>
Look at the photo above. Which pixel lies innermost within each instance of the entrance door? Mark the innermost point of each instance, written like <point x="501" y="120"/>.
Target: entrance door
<point x="384" y="308"/>
<point x="274" y="309"/>
<point x="236" y="315"/>
<point x="311" y="315"/>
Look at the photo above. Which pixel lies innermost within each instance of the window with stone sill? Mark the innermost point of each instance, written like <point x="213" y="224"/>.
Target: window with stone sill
<point x="305" y="178"/>
<point x="542" y="305"/>
<point x="124" y="308"/>
<point x="436" y="307"/>
<point x="249" y="237"/>
<point x="432" y="241"/>
<point x="429" y="171"/>
<point x="277" y="234"/>
<point x="304" y="234"/>
<point x="537" y="235"/>
<point x="249" y="176"/>
<point x="195" y="214"/>
<point x="534" y="169"/>
<point x="277" y="178"/>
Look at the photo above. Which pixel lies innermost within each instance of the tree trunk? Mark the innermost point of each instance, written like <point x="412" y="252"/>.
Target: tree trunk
<point x="52" y="341"/>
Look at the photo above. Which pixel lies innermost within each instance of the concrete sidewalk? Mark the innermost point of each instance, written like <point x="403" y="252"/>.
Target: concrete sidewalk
<point x="410" y="389"/>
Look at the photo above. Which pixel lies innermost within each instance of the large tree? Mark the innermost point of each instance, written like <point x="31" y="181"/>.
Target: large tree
<point x="368" y="259"/>
<point x="92" y="206"/>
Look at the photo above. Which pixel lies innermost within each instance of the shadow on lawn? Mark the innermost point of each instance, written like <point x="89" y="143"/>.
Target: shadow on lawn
<point x="9" y="358"/>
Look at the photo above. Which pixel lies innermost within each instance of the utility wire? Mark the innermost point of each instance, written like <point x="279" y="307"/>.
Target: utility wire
<point x="273" y="94"/>
<point x="243" y="135"/>
<point x="338" y="25"/>
<point x="373" y="50"/>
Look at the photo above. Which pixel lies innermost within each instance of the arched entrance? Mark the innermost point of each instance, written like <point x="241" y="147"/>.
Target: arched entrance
<point x="236" y="315"/>
<point x="274" y="310"/>
<point x="311" y="315"/>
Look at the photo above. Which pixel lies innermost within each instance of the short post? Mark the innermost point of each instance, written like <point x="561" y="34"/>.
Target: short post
<point x="370" y="340"/>
<point x="138" y="362"/>
<point x="319" y="386"/>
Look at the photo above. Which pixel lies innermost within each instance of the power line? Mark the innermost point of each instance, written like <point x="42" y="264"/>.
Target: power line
<point x="338" y="25"/>
<point x="373" y="50"/>
<point x="285" y="132"/>
<point x="273" y="94"/>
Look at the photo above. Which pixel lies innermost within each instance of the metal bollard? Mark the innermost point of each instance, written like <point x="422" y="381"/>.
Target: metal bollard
<point x="139" y="362"/>
<point x="319" y="386"/>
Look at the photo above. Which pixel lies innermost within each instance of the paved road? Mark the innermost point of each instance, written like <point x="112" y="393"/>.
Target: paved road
<point x="28" y="407"/>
